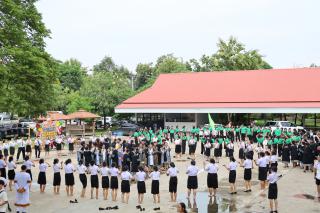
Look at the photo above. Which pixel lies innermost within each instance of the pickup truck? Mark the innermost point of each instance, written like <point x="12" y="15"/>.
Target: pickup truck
<point x="283" y="125"/>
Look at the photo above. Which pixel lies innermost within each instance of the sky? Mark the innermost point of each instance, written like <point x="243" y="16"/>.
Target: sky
<point x="286" y="32"/>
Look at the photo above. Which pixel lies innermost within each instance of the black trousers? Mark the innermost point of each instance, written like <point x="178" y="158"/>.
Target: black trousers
<point x="184" y="146"/>
<point x="202" y="148"/>
<point x="37" y="151"/>
<point x="23" y="150"/>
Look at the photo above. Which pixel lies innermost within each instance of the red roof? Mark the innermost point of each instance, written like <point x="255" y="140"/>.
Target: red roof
<point x="82" y="114"/>
<point x="277" y="88"/>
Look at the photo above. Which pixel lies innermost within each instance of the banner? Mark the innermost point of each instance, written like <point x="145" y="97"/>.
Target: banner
<point x="211" y="122"/>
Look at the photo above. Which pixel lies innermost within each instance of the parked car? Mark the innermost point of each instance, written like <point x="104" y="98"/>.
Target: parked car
<point x="28" y="123"/>
<point x="100" y="122"/>
<point x="282" y="124"/>
<point x="123" y="132"/>
<point x="5" y="119"/>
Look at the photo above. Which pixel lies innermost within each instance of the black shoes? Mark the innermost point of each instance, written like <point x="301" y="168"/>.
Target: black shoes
<point x="109" y="208"/>
<point x="157" y="209"/>
<point x="75" y="201"/>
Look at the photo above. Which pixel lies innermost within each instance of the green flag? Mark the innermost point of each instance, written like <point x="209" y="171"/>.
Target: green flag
<point x="211" y="122"/>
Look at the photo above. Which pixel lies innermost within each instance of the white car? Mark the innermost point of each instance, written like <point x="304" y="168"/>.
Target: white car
<point x="283" y="124"/>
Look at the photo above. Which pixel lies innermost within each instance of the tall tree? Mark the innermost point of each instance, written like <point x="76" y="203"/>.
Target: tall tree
<point x="231" y="55"/>
<point x="71" y="74"/>
<point x="27" y="71"/>
<point x="144" y="72"/>
<point x="108" y="65"/>
<point x="170" y="64"/>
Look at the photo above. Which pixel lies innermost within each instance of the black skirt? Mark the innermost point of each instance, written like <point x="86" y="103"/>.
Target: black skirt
<point x="317" y="181"/>
<point x="94" y="181"/>
<point x="28" y="148"/>
<point x="141" y="185"/>
<point x="155" y="187"/>
<point x="241" y="153"/>
<point x="216" y="152"/>
<point x="57" y="179"/>
<point x="11" y="174"/>
<point x="83" y="180"/>
<point x="46" y="147"/>
<point x="232" y="176"/>
<point x="125" y="186"/>
<point x="3" y="172"/>
<point x="42" y="180"/>
<point x="192" y="182"/>
<point x="263" y="172"/>
<point x="6" y="152"/>
<point x="114" y="182"/>
<point x="173" y="182"/>
<point x="58" y="146"/>
<point x="178" y="149"/>
<point x="273" y="191"/>
<point x="11" y="150"/>
<point x="29" y="172"/>
<point x="69" y="179"/>
<point x="71" y="148"/>
<point x="207" y="152"/>
<point x="247" y="174"/>
<point x="212" y="180"/>
<point x="105" y="182"/>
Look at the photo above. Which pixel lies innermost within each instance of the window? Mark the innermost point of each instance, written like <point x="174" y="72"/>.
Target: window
<point x="180" y="117"/>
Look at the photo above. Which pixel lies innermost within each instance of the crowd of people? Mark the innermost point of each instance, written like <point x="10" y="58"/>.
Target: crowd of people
<point x="146" y="154"/>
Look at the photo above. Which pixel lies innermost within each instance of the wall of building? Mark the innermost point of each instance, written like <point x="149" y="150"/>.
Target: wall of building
<point x="188" y="125"/>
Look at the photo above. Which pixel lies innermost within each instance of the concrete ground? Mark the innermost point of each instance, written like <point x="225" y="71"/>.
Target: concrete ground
<point x="296" y="191"/>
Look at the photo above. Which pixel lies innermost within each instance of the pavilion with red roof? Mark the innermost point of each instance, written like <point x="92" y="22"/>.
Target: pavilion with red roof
<point x="250" y="91"/>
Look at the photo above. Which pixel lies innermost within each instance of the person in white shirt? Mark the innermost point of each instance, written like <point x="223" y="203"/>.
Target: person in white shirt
<point x="12" y="147"/>
<point x="93" y="170"/>
<point x="105" y="180"/>
<point x="42" y="180"/>
<point x="11" y="173"/>
<point x="172" y="172"/>
<point x="155" y="177"/>
<point x="141" y="185"/>
<point x="114" y="185"/>
<point x="192" y="184"/>
<point x="178" y="148"/>
<point x="247" y="165"/>
<point x="125" y="184"/>
<point x="22" y="185"/>
<point x="69" y="177"/>
<point x="3" y="197"/>
<point x="21" y="148"/>
<point x="3" y="165"/>
<point x="56" y="175"/>
<point x="232" y="167"/>
<point x="212" y="177"/>
<point x="273" y="189"/>
<point x="47" y="147"/>
<point x="37" y="147"/>
<point x="317" y="175"/>
<point x="82" y="169"/>
<point x="28" y="163"/>
<point x="263" y="170"/>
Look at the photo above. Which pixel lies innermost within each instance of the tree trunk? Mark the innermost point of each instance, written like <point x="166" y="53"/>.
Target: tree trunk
<point x="104" y="120"/>
<point x="295" y="119"/>
<point x="303" y="119"/>
<point x="285" y="116"/>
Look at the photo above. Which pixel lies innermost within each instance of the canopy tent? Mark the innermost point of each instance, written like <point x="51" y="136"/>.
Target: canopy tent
<point x="254" y="91"/>
<point x="54" y="116"/>
<point x="82" y="114"/>
<point x="81" y="129"/>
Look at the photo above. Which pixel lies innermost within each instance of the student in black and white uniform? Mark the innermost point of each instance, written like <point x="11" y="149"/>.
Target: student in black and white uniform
<point x="125" y="184"/>
<point x="172" y="172"/>
<point x="42" y="180"/>
<point x="230" y="148"/>
<point x="247" y="165"/>
<point x="192" y="184"/>
<point x="105" y="180"/>
<point x="58" y="145"/>
<point x="216" y="151"/>
<point x="155" y="177"/>
<point x="47" y="147"/>
<point x="317" y="175"/>
<point x="56" y="175"/>
<point x="274" y="159"/>
<point x="192" y="147"/>
<point x="242" y="147"/>
<point x="207" y="149"/>
<point x="249" y="148"/>
<point x="37" y="147"/>
<point x="263" y="172"/>
<point x="232" y="167"/>
<point x="178" y="148"/>
<point x="28" y="147"/>
<point x="69" y="177"/>
<point x="212" y="177"/>
<point x="12" y="147"/>
<point x="21" y="148"/>
<point x="141" y="185"/>
<point x="82" y="170"/>
<point x="28" y="163"/>
<point x="3" y="165"/>
<point x="11" y="173"/>
<point x="273" y="189"/>
<point x="93" y="170"/>
<point x="114" y="185"/>
<point x="6" y="151"/>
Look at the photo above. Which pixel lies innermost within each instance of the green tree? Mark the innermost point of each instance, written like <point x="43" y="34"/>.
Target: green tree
<point x="170" y="64"/>
<point x="231" y="55"/>
<point x="71" y="74"/>
<point x="108" y="65"/>
<point x="75" y="101"/>
<point x="27" y="71"/>
<point x="144" y="72"/>
<point x="106" y="90"/>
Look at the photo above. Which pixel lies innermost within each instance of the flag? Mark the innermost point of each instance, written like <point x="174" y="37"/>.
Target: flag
<point x="211" y="122"/>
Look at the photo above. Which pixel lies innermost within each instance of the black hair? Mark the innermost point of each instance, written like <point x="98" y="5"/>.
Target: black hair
<point x="67" y="161"/>
<point x="26" y="158"/>
<point x="10" y="158"/>
<point x="41" y="161"/>
<point x="183" y="207"/>
<point x="1" y="156"/>
<point x="262" y="154"/>
<point x="125" y="168"/>
<point x="193" y="162"/>
<point x="104" y="164"/>
<point x="172" y="165"/>
<point x="212" y="160"/>
<point x="23" y="167"/>
<point x="113" y="165"/>
<point x="232" y="159"/>
<point x="248" y="156"/>
<point x="274" y="152"/>
<point x="2" y="182"/>
<point x="55" y="161"/>
<point x="155" y="168"/>
<point x="92" y="163"/>
<point x="140" y="168"/>
<point x="80" y="162"/>
<point x="274" y="169"/>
